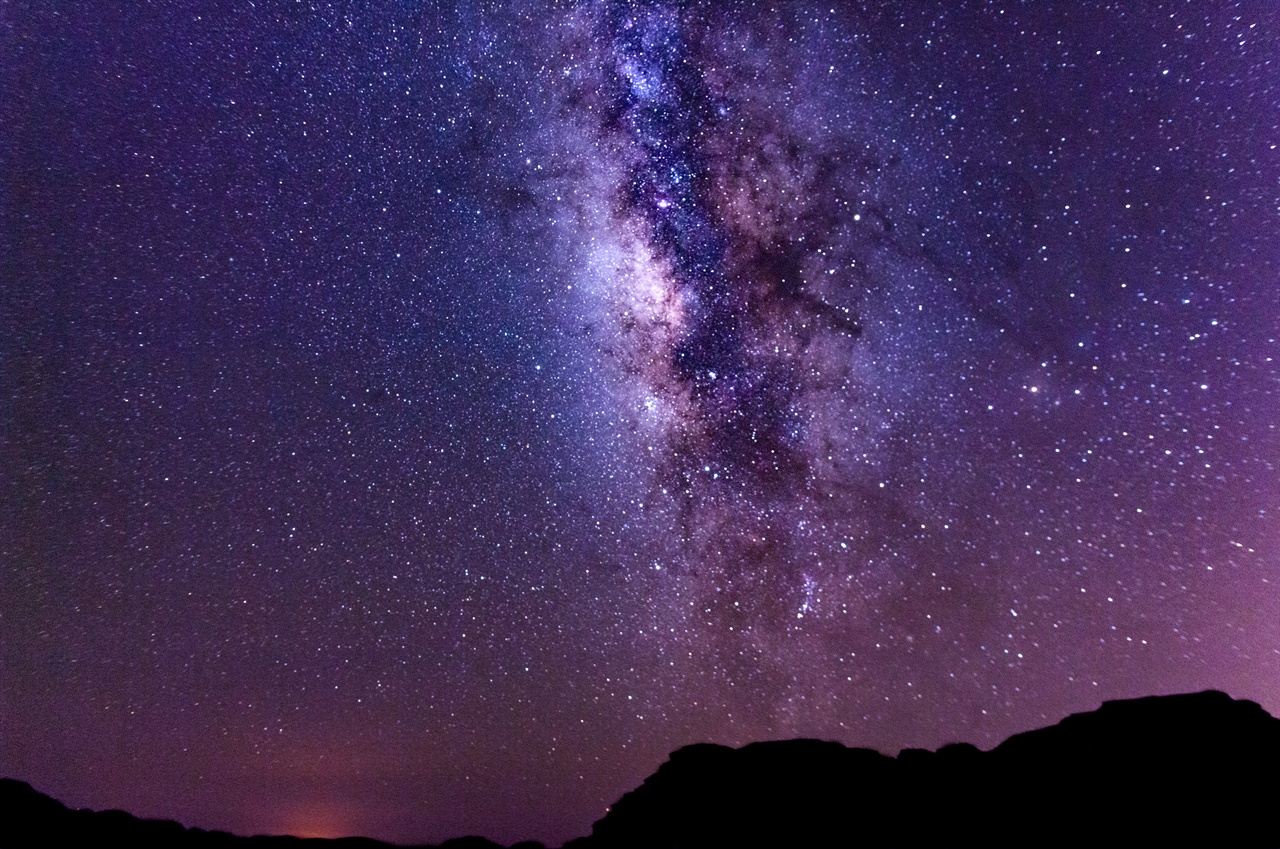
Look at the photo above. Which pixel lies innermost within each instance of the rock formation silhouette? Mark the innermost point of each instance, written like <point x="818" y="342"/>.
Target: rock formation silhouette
<point x="1187" y="770"/>
<point x="1166" y="771"/>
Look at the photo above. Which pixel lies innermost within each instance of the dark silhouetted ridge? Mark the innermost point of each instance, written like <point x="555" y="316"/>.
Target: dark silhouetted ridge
<point x="1189" y="770"/>
<point x="32" y="820"/>
<point x="1197" y="770"/>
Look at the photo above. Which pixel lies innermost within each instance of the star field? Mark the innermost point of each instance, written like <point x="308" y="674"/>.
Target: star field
<point x="420" y="419"/>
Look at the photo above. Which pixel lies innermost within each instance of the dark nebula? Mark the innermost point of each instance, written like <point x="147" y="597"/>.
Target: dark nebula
<point x="420" y="419"/>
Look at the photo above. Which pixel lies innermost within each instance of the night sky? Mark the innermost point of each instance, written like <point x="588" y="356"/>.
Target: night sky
<point x="418" y="420"/>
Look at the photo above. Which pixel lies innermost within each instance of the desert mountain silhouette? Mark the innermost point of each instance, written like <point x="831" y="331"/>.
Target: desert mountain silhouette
<point x="1183" y="770"/>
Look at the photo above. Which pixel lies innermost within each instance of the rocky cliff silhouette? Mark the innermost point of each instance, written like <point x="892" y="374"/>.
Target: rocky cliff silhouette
<point x="1198" y="770"/>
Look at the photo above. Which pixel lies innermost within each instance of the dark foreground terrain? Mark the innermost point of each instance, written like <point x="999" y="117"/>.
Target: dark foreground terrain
<point x="1197" y="770"/>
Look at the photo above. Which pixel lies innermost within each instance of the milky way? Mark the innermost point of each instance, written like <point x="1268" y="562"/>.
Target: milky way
<point x="747" y="217"/>
<point x="420" y="419"/>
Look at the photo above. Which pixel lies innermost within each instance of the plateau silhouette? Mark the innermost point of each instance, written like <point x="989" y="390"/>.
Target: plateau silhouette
<point x="1164" y="771"/>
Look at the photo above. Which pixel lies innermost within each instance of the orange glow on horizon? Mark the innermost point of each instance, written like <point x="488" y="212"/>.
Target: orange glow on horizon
<point x="319" y="819"/>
